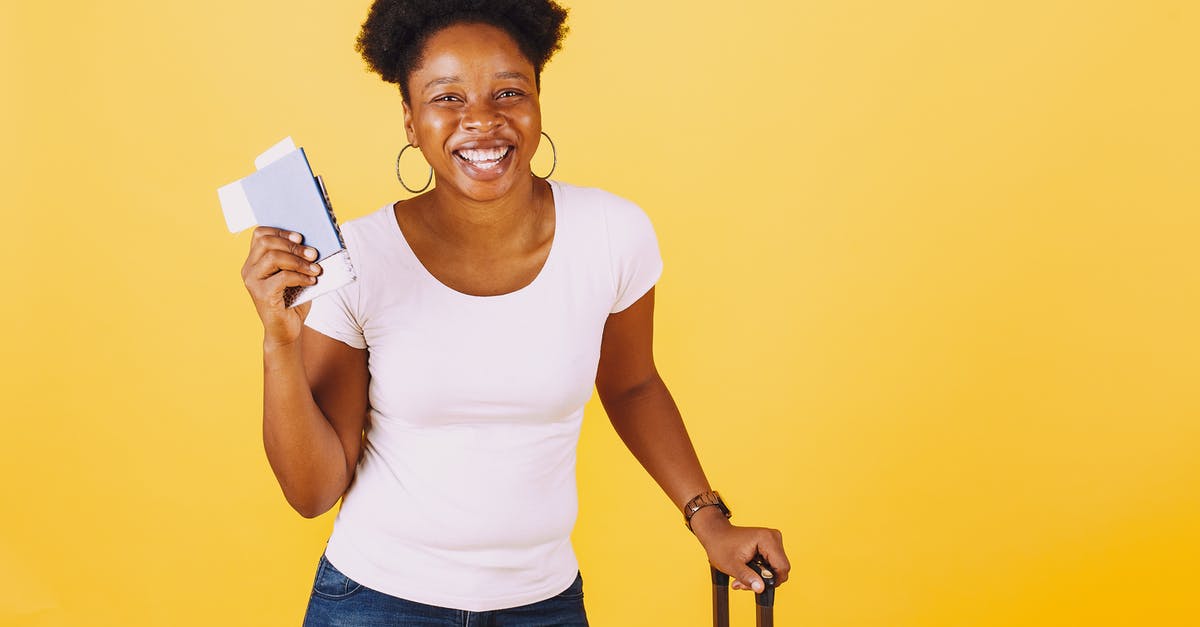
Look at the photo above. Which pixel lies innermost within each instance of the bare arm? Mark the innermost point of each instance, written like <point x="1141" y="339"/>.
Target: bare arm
<point x="314" y="408"/>
<point x="314" y="387"/>
<point x="641" y="408"/>
<point x="646" y="418"/>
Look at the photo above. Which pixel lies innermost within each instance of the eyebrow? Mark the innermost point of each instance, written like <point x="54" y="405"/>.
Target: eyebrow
<point x="447" y="80"/>
<point x="515" y="75"/>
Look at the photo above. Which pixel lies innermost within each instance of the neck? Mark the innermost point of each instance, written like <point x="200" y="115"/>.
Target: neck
<point x="471" y="225"/>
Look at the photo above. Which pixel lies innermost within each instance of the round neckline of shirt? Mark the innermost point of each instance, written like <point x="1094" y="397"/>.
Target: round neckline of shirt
<point x="555" y="193"/>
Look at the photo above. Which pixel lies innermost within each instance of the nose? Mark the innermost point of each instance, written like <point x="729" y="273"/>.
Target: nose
<point x="482" y="117"/>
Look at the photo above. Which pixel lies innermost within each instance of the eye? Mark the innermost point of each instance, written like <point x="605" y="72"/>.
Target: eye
<point x="446" y="98"/>
<point x="508" y="93"/>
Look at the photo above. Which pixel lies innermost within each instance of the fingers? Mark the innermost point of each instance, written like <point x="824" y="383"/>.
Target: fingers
<point x="287" y="278"/>
<point x="274" y="260"/>
<point x="270" y="231"/>
<point x="278" y="259"/>
<point x="272" y="289"/>
<point x="273" y="249"/>
<point x="732" y="552"/>
<point x="771" y="548"/>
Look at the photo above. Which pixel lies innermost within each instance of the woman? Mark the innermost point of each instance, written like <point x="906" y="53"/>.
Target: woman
<point x="440" y="395"/>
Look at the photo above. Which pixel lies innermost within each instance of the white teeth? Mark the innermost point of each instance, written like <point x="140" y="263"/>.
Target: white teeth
<point x="481" y="156"/>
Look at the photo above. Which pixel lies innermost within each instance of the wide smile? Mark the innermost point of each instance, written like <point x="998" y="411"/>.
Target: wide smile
<point x="484" y="159"/>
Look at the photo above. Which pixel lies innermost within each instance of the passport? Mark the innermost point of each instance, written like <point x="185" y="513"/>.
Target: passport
<point x="284" y="193"/>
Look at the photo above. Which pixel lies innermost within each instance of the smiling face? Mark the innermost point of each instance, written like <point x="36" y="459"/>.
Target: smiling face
<point x="473" y="111"/>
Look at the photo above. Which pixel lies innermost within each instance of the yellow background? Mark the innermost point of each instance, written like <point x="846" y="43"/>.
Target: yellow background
<point x="930" y="302"/>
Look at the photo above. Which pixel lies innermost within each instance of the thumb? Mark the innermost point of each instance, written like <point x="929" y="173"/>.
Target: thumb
<point x="747" y="576"/>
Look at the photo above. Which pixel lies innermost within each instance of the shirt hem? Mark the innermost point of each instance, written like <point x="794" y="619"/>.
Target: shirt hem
<point x="345" y="561"/>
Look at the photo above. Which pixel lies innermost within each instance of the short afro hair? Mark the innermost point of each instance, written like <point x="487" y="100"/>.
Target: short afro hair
<point x="394" y="34"/>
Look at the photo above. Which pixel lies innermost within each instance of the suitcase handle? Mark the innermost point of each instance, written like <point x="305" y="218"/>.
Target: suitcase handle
<point x="764" y="601"/>
<point x="767" y="597"/>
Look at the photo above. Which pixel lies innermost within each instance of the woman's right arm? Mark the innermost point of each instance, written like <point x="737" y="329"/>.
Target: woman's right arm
<point x="314" y="387"/>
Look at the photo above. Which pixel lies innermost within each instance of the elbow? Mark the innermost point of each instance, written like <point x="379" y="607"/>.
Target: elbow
<point x="310" y="489"/>
<point x="310" y="509"/>
<point x="307" y="511"/>
<point x="630" y="392"/>
<point x="310" y="505"/>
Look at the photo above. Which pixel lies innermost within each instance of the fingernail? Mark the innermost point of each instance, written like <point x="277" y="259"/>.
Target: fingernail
<point x="310" y="253"/>
<point x="314" y="267"/>
<point x="758" y="587"/>
<point x="295" y="237"/>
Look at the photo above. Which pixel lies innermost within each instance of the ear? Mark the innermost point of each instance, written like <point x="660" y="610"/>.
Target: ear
<point x="408" y="126"/>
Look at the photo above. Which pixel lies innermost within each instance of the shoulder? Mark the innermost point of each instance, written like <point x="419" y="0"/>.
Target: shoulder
<point x="368" y="234"/>
<point x="619" y="213"/>
<point x="366" y="240"/>
<point x="366" y="226"/>
<point x="624" y="234"/>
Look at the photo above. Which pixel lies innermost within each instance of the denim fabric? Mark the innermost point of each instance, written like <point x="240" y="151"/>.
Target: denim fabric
<point x="339" y="601"/>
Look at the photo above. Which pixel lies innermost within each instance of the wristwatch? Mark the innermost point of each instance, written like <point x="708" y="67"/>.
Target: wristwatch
<point x="700" y="501"/>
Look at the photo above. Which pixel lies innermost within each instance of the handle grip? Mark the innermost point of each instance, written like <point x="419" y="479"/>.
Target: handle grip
<point x="765" y="600"/>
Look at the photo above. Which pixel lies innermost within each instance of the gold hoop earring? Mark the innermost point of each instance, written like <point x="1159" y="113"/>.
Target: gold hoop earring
<point x="554" y="153"/>
<point x="401" y="179"/>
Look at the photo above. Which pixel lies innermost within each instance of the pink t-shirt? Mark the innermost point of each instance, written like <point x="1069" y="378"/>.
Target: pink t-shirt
<point x="465" y="494"/>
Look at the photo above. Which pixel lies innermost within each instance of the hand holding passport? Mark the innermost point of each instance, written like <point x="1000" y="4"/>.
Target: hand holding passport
<point x="284" y="194"/>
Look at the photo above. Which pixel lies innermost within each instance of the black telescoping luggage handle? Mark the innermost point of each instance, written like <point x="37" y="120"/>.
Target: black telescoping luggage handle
<point x="764" y="602"/>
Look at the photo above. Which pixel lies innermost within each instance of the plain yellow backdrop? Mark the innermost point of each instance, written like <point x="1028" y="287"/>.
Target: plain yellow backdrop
<point x="929" y="305"/>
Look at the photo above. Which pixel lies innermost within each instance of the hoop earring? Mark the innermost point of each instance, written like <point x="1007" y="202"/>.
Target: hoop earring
<point x="401" y="179"/>
<point x="554" y="152"/>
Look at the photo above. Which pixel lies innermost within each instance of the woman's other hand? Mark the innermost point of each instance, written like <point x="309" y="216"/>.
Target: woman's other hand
<point x="730" y="548"/>
<point x="278" y="260"/>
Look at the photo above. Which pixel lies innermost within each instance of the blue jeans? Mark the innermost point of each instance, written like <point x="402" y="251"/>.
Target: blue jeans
<point x="339" y="601"/>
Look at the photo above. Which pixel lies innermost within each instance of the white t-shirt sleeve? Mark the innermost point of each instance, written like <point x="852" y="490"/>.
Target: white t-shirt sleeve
<point x="338" y="314"/>
<point x="333" y="315"/>
<point x="633" y="246"/>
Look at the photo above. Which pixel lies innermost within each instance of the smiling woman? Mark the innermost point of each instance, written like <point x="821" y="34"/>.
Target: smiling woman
<point x="440" y="396"/>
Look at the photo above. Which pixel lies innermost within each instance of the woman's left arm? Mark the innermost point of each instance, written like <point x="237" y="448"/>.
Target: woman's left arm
<point x="645" y="416"/>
